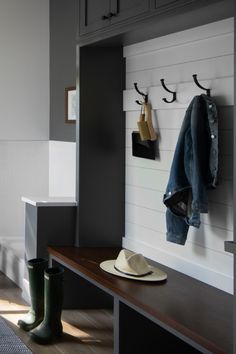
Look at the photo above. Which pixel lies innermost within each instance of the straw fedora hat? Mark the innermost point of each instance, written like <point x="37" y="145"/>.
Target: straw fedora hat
<point x="133" y="265"/>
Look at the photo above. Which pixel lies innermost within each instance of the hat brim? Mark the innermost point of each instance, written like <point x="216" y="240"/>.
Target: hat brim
<point x="156" y="275"/>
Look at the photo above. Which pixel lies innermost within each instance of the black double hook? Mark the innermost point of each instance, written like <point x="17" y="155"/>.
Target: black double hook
<point x="145" y="96"/>
<point x="173" y="92"/>
<point x="208" y="91"/>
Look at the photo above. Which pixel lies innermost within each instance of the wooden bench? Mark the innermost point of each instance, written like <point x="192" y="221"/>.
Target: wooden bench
<point x="180" y="315"/>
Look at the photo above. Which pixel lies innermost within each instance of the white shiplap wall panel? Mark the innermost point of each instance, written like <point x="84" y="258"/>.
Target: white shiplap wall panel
<point x="191" y="252"/>
<point x="174" y="117"/>
<point x="191" y="35"/>
<point x="221" y="278"/>
<point x="147" y="198"/>
<point x="208" y="52"/>
<point x="154" y="179"/>
<point x="167" y="139"/>
<point x="196" y="237"/>
<point x="223" y="193"/>
<point x="203" y="49"/>
<point x="213" y="67"/>
<point x="163" y="162"/>
<point x="146" y="178"/>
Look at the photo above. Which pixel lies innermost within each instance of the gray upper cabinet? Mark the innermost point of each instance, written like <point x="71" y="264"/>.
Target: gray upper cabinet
<point x="93" y="15"/>
<point x="96" y="15"/>
<point x="166" y="5"/>
<point x="127" y="9"/>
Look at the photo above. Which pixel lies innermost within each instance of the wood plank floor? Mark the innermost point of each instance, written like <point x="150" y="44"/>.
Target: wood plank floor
<point x="84" y="331"/>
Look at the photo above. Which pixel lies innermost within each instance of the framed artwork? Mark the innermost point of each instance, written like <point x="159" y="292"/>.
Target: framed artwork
<point x="70" y="104"/>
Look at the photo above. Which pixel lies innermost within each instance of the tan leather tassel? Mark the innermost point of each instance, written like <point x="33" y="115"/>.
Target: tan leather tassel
<point x="143" y="128"/>
<point x="148" y="116"/>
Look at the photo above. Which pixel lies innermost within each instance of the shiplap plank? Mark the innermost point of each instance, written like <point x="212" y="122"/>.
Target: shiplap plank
<point x="226" y="140"/>
<point x="213" y="29"/>
<point x="164" y="160"/>
<point x="155" y="220"/>
<point x="206" y="236"/>
<point x="219" y="216"/>
<point x="225" y="168"/>
<point x="183" y="53"/>
<point x="147" y="218"/>
<point x="146" y="198"/>
<point x="222" y="93"/>
<point x="157" y="180"/>
<point x="153" y="199"/>
<point x="206" y="69"/>
<point x="173" y="118"/>
<point x="161" y="118"/>
<point x="203" y="237"/>
<point x="167" y="139"/>
<point x="146" y="178"/>
<point x="223" y="193"/>
<point x="186" y="259"/>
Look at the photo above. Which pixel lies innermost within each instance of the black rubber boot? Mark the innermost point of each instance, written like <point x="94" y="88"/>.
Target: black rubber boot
<point x="51" y="327"/>
<point x="34" y="317"/>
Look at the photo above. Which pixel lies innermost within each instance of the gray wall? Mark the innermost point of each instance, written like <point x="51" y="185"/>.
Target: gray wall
<point x="62" y="65"/>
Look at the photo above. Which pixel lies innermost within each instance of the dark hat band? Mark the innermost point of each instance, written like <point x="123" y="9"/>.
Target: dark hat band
<point x="133" y="275"/>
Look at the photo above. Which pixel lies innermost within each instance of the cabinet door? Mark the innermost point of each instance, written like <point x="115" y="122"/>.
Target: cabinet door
<point x="124" y="9"/>
<point x="93" y="15"/>
<point x="165" y="5"/>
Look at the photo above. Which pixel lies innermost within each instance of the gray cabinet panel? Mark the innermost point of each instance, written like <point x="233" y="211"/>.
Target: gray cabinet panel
<point x="165" y="5"/>
<point x="96" y="15"/>
<point x="127" y="9"/>
<point x="92" y="15"/>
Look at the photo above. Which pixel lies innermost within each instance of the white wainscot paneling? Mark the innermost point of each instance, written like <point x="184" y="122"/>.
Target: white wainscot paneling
<point x="24" y="171"/>
<point x="62" y="169"/>
<point x="208" y="52"/>
<point x="24" y="62"/>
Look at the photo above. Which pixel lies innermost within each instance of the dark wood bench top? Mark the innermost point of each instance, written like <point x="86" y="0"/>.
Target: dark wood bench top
<point x="194" y="309"/>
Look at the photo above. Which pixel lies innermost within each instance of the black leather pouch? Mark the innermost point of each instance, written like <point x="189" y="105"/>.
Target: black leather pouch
<point x="144" y="149"/>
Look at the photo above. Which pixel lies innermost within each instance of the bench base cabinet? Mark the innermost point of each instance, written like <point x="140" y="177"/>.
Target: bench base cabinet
<point x="151" y="317"/>
<point x="139" y="335"/>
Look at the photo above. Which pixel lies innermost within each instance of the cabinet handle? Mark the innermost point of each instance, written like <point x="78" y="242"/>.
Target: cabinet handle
<point x="108" y="16"/>
<point x="112" y="14"/>
<point x="105" y="17"/>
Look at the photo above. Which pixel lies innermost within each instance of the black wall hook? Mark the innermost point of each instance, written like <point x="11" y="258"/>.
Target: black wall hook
<point x="145" y="96"/>
<point x="173" y="92"/>
<point x="208" y="91"/>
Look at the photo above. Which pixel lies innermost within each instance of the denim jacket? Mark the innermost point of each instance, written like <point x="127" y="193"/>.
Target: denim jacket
<point x="194" y="169"/>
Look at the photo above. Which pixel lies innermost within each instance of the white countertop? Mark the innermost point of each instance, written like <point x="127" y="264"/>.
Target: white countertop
<point x="50" y="201"/>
